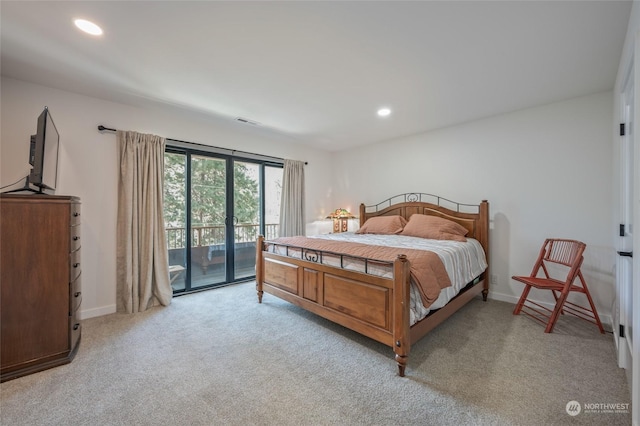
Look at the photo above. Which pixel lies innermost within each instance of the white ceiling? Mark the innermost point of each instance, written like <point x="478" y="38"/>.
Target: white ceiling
<point x="318" y="71"/>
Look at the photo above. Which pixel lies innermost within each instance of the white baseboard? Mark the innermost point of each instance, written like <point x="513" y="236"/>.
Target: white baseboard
<point x="97" y="312"/>
<point x="605" y="318"/>
<point x="503" y="297"/>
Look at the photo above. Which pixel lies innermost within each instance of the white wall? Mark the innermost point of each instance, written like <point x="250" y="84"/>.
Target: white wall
<point x="546" y="172"/>
<point x="88" y="164"/>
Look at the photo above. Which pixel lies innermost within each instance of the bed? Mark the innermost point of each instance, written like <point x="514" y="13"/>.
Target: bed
<point x="375" y="295"/>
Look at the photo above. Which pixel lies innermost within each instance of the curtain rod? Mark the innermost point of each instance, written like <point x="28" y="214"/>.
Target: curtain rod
<point x="102" y="128"/>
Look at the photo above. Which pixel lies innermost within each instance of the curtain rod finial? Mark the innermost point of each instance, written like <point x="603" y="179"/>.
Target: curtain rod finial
<point x="102" y="128"/>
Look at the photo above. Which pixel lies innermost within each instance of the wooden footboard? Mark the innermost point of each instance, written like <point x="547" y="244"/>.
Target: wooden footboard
<point x="370" y="305"/>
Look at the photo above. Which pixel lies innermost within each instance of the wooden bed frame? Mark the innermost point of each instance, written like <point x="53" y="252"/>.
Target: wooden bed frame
<point x="370" y="305"/>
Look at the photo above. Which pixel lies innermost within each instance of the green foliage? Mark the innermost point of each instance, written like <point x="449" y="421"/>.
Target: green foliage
<point x="246" y="194"/>
<point x="174" y="192"/>
<point x="208" y="195"/>
<point x="208" y="200"/>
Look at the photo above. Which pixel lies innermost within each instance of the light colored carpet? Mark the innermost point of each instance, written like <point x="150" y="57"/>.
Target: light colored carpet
<point x="220" y="358"/>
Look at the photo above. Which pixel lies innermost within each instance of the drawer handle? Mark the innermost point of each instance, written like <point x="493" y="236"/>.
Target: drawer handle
<point x="76" y="214"/>
<point x="75" y="265"/>
<point x="77" y="293"/>
<point x="76" y="238"/>
<point x="76" y="326"/>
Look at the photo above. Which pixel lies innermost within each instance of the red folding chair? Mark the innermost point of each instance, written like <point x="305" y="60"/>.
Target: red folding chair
<point x="567" y="254"/>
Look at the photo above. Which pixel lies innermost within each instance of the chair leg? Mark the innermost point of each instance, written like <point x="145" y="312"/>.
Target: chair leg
<point x="556" y="312"/>
<point x="593" y="307"/>
<point x="523" y="298"/>
<point x="555" y="296"/>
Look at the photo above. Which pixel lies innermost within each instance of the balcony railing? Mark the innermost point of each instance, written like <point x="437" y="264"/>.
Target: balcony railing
<point x="215" y="235"/>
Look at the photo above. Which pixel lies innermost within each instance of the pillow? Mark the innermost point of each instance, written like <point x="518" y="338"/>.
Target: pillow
<point x="383" y="225"/>
<point x="434" y="228"/>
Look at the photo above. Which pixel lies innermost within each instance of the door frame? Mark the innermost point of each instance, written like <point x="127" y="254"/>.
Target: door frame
<point x="623" y="309"/>
<point x="635" y="373"/>
<point x="630" y="65"/>
<point x="635" y="363"/>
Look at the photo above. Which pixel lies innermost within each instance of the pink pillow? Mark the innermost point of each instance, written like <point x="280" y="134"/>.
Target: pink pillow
<point x="435" y="228"/>
<point x="383" y="225"/>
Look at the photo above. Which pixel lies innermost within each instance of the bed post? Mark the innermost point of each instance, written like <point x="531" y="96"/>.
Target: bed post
<point x="484" y="221"/>
<point x="401" y="305"/>
<point x="363" y="210"/>
<point x="259" y="267"/>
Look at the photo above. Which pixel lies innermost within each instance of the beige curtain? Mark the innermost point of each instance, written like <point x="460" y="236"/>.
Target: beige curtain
<point x="142" y="258"/>
<point x="292" y="202"/>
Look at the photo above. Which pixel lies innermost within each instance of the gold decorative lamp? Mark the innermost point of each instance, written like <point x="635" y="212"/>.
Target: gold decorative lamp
<point x="340" y="220"/>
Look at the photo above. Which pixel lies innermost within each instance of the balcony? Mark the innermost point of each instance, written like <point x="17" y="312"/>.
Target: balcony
<point x="208" y="252"/>
<point x="214" y="235"/>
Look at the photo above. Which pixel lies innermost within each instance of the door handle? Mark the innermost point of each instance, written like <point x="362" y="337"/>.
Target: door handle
<point x="234" y="220"/>
<point x="626" y="253"/>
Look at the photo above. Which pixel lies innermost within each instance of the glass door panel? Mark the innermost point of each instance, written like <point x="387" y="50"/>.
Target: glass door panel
<point x="208" y="221"/>
<point x="246" y="217"/>
<point x="175" y="218"/>
<point x="272" y="196"/>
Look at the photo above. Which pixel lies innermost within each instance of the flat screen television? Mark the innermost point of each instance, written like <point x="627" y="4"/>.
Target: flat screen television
<point x="43" y="154"/>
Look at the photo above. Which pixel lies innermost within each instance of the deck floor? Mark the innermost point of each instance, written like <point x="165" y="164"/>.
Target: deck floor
<point x="213" y="276"/>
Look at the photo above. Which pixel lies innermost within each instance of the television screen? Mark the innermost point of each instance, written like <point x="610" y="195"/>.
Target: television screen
<point x="44" y="153"/>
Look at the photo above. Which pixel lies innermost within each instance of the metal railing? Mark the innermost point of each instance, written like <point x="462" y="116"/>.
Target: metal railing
<point x="215" y="235"/>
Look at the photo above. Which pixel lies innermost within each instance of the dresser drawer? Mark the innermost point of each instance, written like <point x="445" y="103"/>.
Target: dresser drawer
<point x="75" y="214"/>
<point x="75" y="294"/>
<point x="74" y="238"/>
<point x="75" y="328"/>
<point x="74" y="265"/>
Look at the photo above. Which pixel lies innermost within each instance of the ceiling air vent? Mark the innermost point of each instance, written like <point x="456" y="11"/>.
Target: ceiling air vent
<point x="246" y="121"/>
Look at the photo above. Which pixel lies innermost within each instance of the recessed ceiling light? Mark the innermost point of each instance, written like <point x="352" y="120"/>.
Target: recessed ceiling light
<point x="383" y="112"/>
<point x="88" y="27"/>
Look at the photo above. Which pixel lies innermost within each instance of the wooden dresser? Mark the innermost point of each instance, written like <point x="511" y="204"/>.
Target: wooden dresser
<point x="40" y="282"/>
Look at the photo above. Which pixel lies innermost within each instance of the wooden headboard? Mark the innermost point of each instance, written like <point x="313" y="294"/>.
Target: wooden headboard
<point x="474" y="217"/>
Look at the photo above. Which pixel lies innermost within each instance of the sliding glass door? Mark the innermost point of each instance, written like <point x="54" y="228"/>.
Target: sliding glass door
<point x="215" y="208"/>
<point x="208" y="214"/>
<point x="257" y="189"/>
<point x="246" y="217"/>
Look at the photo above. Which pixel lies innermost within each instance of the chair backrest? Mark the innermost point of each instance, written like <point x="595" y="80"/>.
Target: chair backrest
<point x="563" y="252"/>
